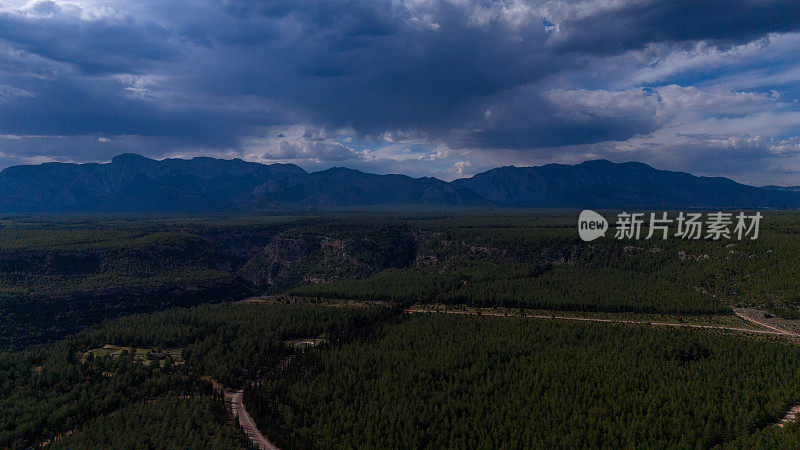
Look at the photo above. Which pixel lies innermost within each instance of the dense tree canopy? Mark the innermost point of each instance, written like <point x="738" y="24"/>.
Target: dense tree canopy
<point x="480" y="382"/>
<point x="190" y="423"/>
<point x="381" y="379"/>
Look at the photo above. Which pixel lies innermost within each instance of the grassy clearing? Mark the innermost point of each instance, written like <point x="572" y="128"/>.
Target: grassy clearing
<point x="305" y="342"/>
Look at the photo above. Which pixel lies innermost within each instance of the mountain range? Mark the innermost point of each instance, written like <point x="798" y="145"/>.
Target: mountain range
<point x="133" y="183"/>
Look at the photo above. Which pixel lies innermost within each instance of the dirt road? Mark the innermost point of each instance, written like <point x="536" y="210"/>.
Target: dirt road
<point x="238" y="411"/>
<point x="770" y="330"/>
<point x="247" y="423"/>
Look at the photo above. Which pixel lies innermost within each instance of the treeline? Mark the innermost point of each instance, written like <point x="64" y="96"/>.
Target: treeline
<point x="43" y="319"/>
<point x="786" y="437"/>
<point x="479" y="382"/>
<point x="60" y="274"/>
<point x="530" y="286"/>
<point x="63" y="262"/>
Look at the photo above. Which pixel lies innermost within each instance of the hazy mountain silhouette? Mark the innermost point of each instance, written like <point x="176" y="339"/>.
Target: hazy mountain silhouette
<point x="132" y="183"/>
<point x="603" y="184"/>
<point x="135" y="183"/>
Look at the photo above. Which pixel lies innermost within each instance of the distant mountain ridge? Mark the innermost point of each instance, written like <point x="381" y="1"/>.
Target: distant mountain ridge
<point x="133" y="183"/>
<point x="603" y="184"/>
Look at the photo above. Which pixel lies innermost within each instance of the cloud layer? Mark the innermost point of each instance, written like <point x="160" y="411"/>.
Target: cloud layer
<point x="425" y="87"/>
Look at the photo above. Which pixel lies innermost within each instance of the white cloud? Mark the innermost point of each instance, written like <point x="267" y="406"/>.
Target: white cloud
<point x="461" y="167"/>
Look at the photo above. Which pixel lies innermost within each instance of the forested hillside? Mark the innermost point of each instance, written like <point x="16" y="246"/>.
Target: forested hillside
<point x="57" y="275"/>
<point x="59" y="387"/>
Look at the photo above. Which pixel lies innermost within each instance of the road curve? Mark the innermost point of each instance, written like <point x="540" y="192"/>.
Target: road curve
<point x="758" y="322"/>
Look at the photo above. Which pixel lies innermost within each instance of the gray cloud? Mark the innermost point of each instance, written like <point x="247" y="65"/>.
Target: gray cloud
<point x="635" y="24"/>
<point x="480" y="76"/>
<point x="91" y="46"/>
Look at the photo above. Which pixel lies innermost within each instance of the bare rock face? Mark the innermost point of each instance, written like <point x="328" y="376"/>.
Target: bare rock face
<point x="315" y="258"/>
<point x="277" y="263"/>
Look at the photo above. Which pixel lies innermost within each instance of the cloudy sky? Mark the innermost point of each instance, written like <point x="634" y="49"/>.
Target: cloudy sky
<point x="442" y="88"/>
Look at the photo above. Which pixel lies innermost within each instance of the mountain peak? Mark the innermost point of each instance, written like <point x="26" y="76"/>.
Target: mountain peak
<point x="127" y="158"/>
<point x="605" y="184"/>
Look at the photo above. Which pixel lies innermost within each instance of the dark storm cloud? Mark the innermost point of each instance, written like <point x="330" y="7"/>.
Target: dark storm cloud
<point x="68" y="106"/>
<point x="94" y="47"/>
<point x="638" y="23"/>
<point x="437" y="66"/>
<point x="470" y="74"/>
<point x="375" y="66"/>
